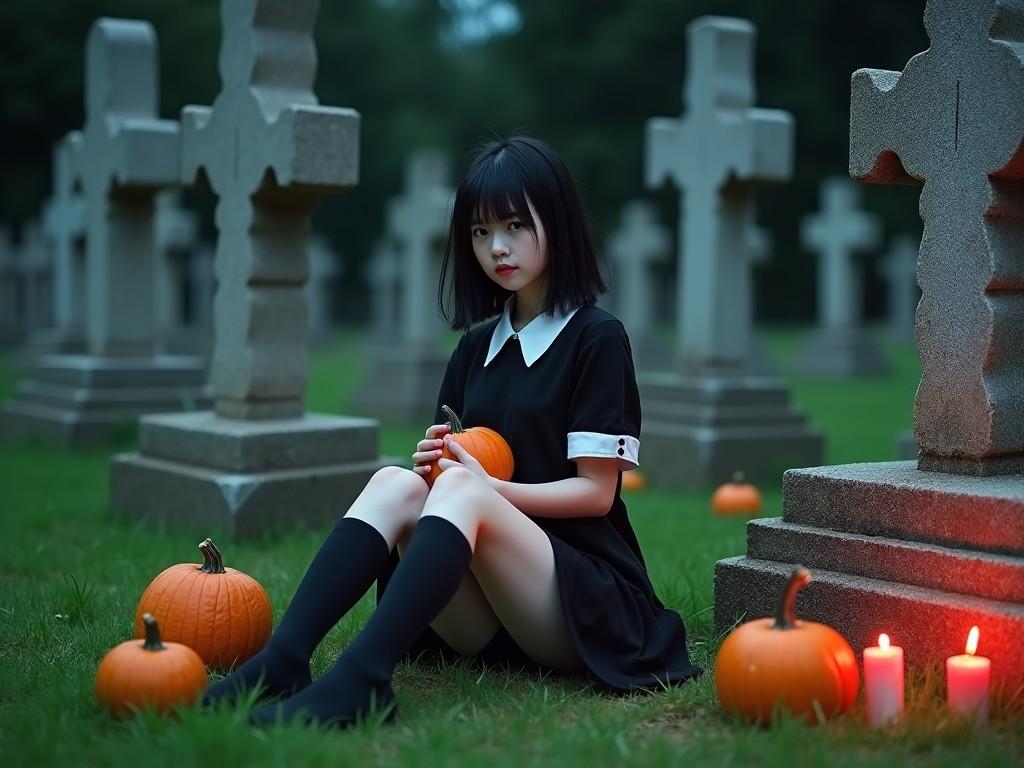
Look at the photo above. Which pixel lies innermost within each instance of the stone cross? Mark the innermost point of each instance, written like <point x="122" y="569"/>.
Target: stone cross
<point x="898" y="267"/>
<point x="269" y="152"/>
<point x="126" y="155"/>
<point x="36" y="267"/>
<point x="835" y="233"/>
<point x="321" y="290"/>
<point x="954" y="120"/>
<point x="416" y="223"/>
<point x="638" y="243"/>
<point x="176" y="233"/>
<point x="382" y="274"/>
<point x="202" y="287"/>
<point x="64" y="229"/>
<point x="714" y="154"/>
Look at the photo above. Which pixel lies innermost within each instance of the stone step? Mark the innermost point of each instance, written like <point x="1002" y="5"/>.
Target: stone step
<point x="131" y="401"/>
<point x="704" y="415"/>
<point x="897" y="500"/>
<point x="102" y="372"/>
<point x="968" y="572"/>
<point x="667" y="387"/>
<point x="929" y="624"/>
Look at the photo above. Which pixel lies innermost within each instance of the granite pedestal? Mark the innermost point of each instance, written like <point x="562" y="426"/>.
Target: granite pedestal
<point x="80" y="401"/>
<point x="243" y="478"/>
<point x="698" y="430"/>
<point x="402" y="384"/>
<point x="920" y="555"/>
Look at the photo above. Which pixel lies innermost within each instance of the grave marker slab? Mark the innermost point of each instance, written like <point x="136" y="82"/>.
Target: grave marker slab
<point x="714" y="417"/>
<point x="127" y="154"/>
<point x="935" y="546"/>
<point x="839" y="347"/>
<point x="898" y="267"/>
<point x="270" y="153"/>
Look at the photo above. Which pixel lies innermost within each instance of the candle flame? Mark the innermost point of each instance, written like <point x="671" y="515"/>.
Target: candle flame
<point x="883" y="640"/>
<point x="972" y="641"/>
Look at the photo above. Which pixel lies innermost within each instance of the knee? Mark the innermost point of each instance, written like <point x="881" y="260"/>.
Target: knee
<point x="402" y="485"/>
<point x="456" y="480"/>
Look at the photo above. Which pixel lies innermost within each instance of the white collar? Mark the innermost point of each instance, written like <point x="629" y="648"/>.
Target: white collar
<point x="535" y="337"/>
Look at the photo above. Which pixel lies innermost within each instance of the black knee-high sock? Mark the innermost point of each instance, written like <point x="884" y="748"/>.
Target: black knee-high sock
<point x="425" y="580"/>
<point x="347" y="564"/>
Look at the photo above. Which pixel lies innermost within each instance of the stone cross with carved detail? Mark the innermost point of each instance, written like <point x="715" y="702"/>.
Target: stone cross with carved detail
<point x="715" y="154"/>
<point x="954" y="120"/>
<point x="270" y="153"/>
<point x="127" y="154"/>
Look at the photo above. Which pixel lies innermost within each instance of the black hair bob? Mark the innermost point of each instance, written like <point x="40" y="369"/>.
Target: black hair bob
<point x="502" y="175"/>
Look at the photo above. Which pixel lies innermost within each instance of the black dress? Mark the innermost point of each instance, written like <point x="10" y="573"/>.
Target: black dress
<point x="579" y="398"/>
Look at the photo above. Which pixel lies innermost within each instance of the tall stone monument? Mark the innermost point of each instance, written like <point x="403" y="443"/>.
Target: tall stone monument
<point x="406" y="373"/>
<point x="322" y="289"/>
<point x="383" y="278"/>
<point x="713" y="416"/>
<point x="838" y="347"/>
<point x="177" y="235"/>
<point x="926" y="550"/>
<point x="898" y="267"/>
<point x="635" y="248"/>
<point x="127" y="155"/>
<point x="258" y="461"/>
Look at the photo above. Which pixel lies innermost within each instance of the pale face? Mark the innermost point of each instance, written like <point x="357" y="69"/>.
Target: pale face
<point x="510" y="243"/>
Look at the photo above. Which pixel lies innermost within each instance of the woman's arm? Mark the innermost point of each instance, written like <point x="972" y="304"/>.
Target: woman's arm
<point x="589" y="494"/>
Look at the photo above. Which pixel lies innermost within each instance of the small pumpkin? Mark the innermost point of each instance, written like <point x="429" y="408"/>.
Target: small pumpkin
<point x="633" y="480"/>
<point x="736" y="498"/>
<point x="484" y="444"/>
<point x="805" y="666"/>
<point x="224" y="615"/>
<point x="149" y="673"/>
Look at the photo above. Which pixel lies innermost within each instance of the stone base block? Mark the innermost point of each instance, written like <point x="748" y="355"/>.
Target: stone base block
<point x="699" y="430"/>
<point x="202" y="472"/>
<point x="840" y="354"/>
<point x="402" y="385"/>
<point x="930" y="624"/>
<point x="80" y="401"/>
<point x="897" y="500"/>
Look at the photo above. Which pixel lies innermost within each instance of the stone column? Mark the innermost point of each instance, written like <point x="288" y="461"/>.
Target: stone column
<point x="839" y="347"/>
<point x="714" y="417"/>
<point x="258" y="461"/>
<point x="127" y="154"/>
<point x="926" y="549"/>
<point x="406" y="372"/>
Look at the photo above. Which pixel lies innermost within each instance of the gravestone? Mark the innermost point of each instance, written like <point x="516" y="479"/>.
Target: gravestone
<point x="898" y="267"/>
<point x="635" y="248"/>
<point x="406" y="373"/>
<point x="838" y="347"/>
<point x="322" y="289"/>
<point x="202" y="287"/>
<point x="925" y="550"/>
<point x="64" y="229"/>
<point x="177" y="234"/>
<point x="10" y="290"/>
<point x="127" y="155"/>
<point x="382" y="275"/>
<point x="712" y="416"/>
<point x="258" y="461"/>
<point x="36" y="266"/>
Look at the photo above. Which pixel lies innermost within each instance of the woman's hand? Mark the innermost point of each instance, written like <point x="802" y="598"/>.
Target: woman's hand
<point x="465" y="459"/>
<point x="428" y="450"/>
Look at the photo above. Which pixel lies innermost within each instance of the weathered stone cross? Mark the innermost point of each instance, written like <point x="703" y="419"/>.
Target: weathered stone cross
<point x="127" y="154"/>
<point x="64" y="225"/>
<point x="952" y="120"/>
<point x="835" y="233"/>
<point x="714" y="154"/>
<point x="269" y="152"/>
<point x="639" y="242"/>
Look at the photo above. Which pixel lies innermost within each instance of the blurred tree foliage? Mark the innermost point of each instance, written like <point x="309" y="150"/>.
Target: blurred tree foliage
<point x="583" y="74"/>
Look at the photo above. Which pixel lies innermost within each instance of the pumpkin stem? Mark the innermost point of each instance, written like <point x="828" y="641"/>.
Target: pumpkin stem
<point x="152" y="642"/>
<point x="453" y="420"/>
<point x="737" y="476"/>
<point x="785" y="617"/>
<point x="212" y="560"/>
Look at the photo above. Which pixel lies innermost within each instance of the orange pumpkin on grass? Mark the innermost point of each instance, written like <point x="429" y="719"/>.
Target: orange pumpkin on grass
<point x="152" y="673"/>
<point x="223" y="614"/>
<point x="806" y="667"/>
<point x="736" y="498"/>
<point x="484" y="444"/>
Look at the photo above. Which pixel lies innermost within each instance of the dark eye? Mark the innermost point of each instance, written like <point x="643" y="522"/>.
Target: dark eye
<point x="478" y="232"/>
<point x="515" y="226"/>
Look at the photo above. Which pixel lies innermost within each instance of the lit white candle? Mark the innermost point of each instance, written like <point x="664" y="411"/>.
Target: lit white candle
<point x="883" y="681"/>
<point x="967" y="680"/>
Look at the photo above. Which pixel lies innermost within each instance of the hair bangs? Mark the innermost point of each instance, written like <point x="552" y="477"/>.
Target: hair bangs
<point x="498" y="192"/>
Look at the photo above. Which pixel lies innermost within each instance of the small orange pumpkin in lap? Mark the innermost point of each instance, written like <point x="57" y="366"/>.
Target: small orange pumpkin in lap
<point x="484" y="444"/>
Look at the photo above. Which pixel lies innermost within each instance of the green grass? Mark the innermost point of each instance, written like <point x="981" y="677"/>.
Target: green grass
<point x="71" y="573"/>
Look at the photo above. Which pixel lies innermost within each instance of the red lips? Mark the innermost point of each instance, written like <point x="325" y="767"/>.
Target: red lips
<point x="505" y="270"/>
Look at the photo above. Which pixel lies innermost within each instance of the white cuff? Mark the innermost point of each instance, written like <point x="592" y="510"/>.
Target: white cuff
<point x="625" y="448"/>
